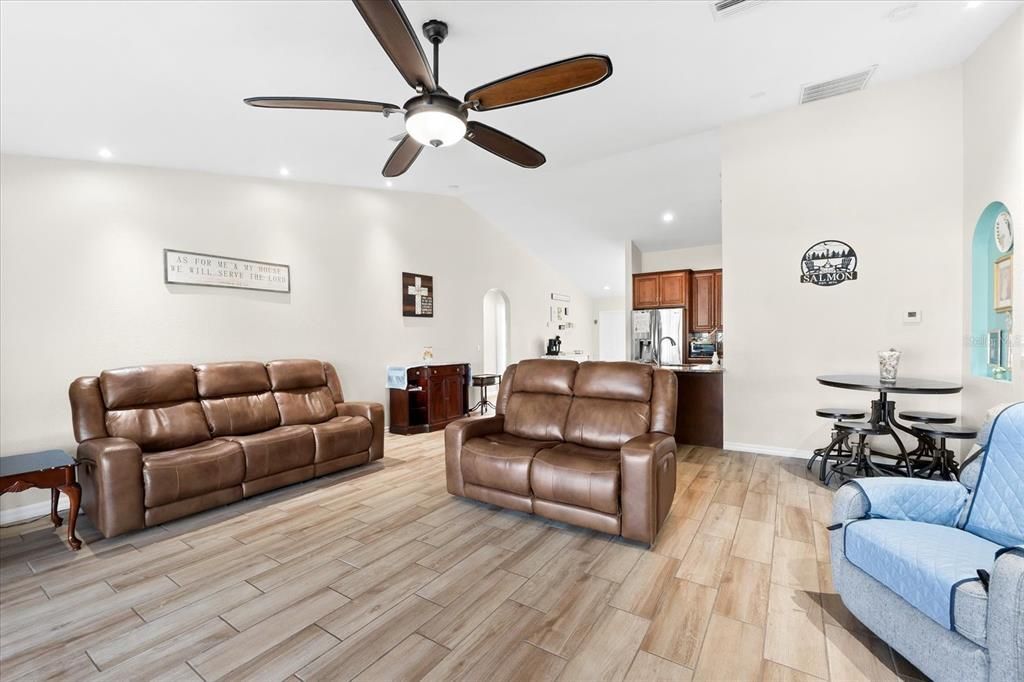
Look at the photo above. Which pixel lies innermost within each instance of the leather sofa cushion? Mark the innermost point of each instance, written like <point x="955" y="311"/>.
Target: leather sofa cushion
<point x="580" y="476"/>
<point x="238" y="415"/>
<point x="614" y="380"/>
<point x="217" y="379"/>
<point x="545" y="376"/>
<point x="147" y="385"/>
<point x="608" y="424"/>
<point x="189" y="472"/>
<point x="277" y="450"/>
<point x="537" y="416"/>
<point x="159" y="428"/>
<point x="305" y="406"/>
<point x="341" y="436"/>
<point x="501" y="461"/>
<point x="290" y="374"/>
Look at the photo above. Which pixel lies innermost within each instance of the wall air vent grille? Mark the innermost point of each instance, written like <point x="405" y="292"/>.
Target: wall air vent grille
<point x="812" y="92"/>
<point x="722" y="9"/>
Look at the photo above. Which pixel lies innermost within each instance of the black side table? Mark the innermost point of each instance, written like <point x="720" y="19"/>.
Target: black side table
<point x="482" y="381"/>
<point x="53" y="469"/>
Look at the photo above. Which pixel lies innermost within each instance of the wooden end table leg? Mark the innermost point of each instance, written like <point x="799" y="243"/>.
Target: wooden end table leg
<point x="74" y="493"/>
<point x="54" y="516"/>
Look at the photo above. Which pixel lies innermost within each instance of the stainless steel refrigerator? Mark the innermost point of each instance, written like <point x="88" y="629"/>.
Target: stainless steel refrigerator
<point x="659" y="335"/>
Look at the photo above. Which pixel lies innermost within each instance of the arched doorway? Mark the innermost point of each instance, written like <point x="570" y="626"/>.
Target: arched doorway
<point x="497" y="333"/>
<point x="991" y="294"/>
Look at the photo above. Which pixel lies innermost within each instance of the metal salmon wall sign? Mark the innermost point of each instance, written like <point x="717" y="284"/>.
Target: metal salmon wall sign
<point x="828" y="263"/>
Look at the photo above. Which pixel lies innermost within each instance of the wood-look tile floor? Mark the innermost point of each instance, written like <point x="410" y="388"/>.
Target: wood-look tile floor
<point x="379" y="574"/>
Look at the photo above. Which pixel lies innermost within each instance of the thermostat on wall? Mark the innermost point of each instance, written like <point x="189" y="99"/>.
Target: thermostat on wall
<point x="912" y="317"/>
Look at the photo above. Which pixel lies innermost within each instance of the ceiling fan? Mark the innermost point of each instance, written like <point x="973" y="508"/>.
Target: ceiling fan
<point x="435" y="118"/>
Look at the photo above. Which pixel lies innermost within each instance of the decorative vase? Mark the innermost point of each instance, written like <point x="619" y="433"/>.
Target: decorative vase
<point x="888" y="364"/>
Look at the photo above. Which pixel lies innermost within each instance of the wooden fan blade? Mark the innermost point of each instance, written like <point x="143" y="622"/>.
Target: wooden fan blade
<point x="403" y="156"/>
<point x="391" y="27"/>
<point x="320" y="103"/>
<point x="505" y="146"/>
<point x="557" y="78"/>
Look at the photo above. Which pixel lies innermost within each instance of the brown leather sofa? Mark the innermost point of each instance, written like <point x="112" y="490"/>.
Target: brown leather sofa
<point x="588" y="444"/>
<point x="160" y="442"/>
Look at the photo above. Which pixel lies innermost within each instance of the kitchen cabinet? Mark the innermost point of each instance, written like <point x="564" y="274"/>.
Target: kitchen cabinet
<point x="435" y="396"/>
<point x="645" y="291"/>
<point x="699" y="408"/>
<point x="706" y="301"/>
<point x="661" y="289"/>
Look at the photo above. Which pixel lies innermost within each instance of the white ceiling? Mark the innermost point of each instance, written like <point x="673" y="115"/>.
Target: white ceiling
<point x="161" y="84"/>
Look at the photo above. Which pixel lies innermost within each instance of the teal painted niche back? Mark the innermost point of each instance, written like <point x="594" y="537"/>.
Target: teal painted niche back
<point x="984" y="318"/>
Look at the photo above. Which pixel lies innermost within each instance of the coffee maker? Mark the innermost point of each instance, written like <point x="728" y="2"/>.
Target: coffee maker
<point x="555" y="346"/>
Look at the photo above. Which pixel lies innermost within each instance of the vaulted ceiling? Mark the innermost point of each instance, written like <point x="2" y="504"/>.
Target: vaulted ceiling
<point x="161" y="84"/>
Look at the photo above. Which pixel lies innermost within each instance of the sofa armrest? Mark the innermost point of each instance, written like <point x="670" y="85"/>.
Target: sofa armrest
<point x="455" y="436"/>
<point x="110" y="473"/>
<point x="373" y="412"/>
<point x="1005" y="630"/>
<point x="903" y="499"/>
<point x="648" y="470"/>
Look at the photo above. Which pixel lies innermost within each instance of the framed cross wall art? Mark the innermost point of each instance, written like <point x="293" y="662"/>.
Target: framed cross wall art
<point x="417" y="295"/>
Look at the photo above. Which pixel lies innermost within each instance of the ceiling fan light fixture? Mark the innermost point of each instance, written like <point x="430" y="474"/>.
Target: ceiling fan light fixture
<point x="435" y="127"/>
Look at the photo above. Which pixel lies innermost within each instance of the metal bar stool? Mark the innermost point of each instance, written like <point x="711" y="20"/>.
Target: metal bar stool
<point x="839" y="446"/>
<point x="933" y="441"/>
<point x="921" y="454"/>
<point x="860" y="459"/>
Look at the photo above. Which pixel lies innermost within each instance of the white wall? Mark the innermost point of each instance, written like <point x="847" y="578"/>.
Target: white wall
<point x="706" y="257"/>
<point x="994" y="171"/>
<point x="82" y="282"/>
<point x="882" y="170"/>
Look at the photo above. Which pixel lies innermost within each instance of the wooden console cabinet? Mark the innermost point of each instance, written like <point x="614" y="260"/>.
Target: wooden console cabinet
<point x="435" y="395"/>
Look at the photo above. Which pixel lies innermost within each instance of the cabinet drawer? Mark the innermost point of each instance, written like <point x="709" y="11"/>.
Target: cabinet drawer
<point x="446" y="370"/>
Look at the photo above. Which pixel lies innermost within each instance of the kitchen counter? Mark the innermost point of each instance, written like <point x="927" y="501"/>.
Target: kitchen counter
<point x="695" y="369"/>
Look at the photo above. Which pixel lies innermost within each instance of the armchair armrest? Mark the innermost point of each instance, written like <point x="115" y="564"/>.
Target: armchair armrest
<point x="904" y="499"/>
<point x="648" y="470"/>
<point x="373" y="412"/>
<point x="1005" y="630"/>
<point x="455" y="436"/>
<point x="110" y="473"/>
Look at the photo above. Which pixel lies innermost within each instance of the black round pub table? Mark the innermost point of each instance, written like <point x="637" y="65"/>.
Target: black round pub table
<point x="883" y="410"/>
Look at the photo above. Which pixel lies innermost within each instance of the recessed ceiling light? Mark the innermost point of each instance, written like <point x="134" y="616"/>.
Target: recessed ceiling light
<point x="667" y="217"/>
<point x="388" y="183"/>
<point x="902" y="12"/>
<point x="974" y="5"/>
<point x="105" y="153"/>
<point x="284" y="172"/>
<point x="758" y="95"/>
<point x="607" y="288"/>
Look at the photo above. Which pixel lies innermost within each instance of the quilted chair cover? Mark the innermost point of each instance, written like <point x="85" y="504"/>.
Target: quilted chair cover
<point x="996" y="512"/>
<point x="912" y="539"/>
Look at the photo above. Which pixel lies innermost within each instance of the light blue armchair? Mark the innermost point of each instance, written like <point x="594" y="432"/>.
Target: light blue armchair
<point x="936" y="569"/>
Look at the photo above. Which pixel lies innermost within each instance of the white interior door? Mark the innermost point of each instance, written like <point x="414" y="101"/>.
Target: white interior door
<point x="611" y="335"/>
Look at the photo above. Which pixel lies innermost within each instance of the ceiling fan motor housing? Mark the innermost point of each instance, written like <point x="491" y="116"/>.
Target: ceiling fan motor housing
<point x="445" y="114"/>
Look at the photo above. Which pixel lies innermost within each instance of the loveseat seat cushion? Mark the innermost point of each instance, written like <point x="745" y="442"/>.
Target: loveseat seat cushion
<point x="501" y="461"/>
<point x="927" y="565"/>
<point x="580" y="476"/>
<point x="281" y="449"/>
<point x="340" y="437"/>
<point x="192" y="471"/>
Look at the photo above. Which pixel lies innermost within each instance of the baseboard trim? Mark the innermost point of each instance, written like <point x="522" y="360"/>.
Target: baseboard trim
<point x="31" y="511"/>
<point x="775" y="451"/>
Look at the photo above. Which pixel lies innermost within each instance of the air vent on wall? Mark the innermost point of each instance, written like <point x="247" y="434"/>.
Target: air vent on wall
<point x="726" y="8"/>
<point x="812" y="92"/>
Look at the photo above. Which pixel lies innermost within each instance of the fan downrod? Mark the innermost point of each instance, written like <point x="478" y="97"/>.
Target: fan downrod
<point x="436" y="31"/>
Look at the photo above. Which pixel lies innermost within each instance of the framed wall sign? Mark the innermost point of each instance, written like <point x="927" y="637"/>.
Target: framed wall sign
<point x="207" y="270"/>
<point x="417" y="295"/>
<point x="828" y="263"/>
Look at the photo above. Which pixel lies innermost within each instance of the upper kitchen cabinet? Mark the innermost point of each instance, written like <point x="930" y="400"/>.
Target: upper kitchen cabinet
<point x="645" y="291"/>
<point x="706" y="301"/>
<point x="661" y="289"/>
<point x="673" y="288"/>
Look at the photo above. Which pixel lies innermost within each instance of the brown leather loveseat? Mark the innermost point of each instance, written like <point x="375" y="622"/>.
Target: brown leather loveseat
<point x="588" y="444"/>
<point x="160" y="442"/>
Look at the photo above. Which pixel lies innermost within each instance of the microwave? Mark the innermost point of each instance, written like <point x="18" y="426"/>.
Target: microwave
<point x="702" y="349"/>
